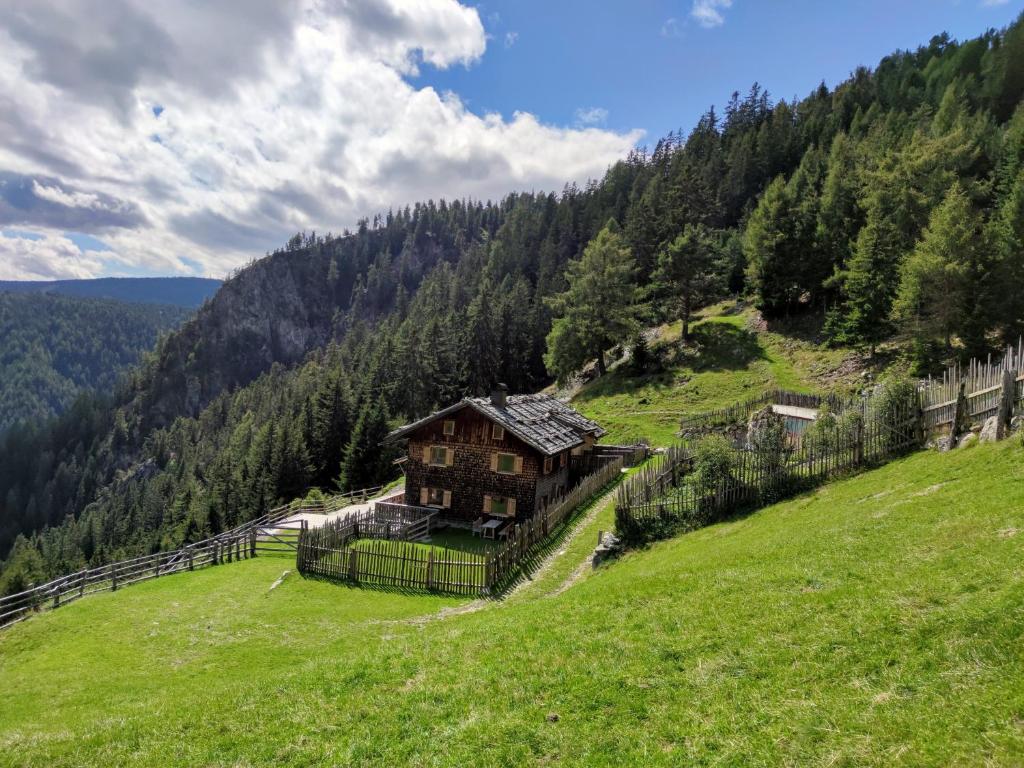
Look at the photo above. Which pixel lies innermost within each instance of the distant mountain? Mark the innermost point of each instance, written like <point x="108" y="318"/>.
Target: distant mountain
<point x="188" y="292"/>
<point x="52" y="348"/>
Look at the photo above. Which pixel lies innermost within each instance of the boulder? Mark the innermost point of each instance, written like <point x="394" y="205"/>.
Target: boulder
<point x="1017" y="423"/>
<point x="942" y="443"/>
<point x="966" y="441"/>
<point x="990" y="430"/>
<point x="609" y="546"/>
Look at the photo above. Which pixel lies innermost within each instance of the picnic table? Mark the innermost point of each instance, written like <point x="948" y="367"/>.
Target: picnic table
<point x="490" y="528"/>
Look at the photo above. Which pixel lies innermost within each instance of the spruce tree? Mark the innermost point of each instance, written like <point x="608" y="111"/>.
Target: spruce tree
<point x="367" y="461"/>
<point x="598" y="310"/>
<point x="942" y="281"/>
<point x="690" y="272"/>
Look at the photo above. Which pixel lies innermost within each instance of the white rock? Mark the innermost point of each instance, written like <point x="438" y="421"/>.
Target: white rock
<point x="990" y="432"/>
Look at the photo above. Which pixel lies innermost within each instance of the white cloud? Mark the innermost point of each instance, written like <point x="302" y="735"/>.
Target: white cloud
<point x="277" y="115"/>
<point x="671" y="28"/>
<point x="708" y="13"/>
<point x="47" y="257"/>
<point x="994" y="2"/>
<point x="511" y="38"/>
<point x="591" y="116"/>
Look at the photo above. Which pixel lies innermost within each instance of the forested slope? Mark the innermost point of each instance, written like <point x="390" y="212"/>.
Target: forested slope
<point x="54" y="347"/>
<point x="894" y="204"/>
<point x="188" y="292"/>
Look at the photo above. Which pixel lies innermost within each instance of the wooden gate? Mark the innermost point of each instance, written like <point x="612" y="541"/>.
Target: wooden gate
<point x="282" y="537"/>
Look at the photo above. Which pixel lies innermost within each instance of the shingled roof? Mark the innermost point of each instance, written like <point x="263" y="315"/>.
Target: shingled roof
<point x="541" y="421"/>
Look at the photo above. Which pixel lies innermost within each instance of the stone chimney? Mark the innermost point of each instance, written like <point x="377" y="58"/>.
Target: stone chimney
<point x="499" y="395"/>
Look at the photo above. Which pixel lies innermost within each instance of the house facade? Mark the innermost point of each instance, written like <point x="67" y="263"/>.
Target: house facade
<point x="500" y="457"/>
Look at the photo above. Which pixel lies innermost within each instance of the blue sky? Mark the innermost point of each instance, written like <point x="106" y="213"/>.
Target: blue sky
<point x="648" y="72"/>
<point x="190" y="138"/>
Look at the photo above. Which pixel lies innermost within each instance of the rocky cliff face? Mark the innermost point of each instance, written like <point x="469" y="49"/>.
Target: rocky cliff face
<point x="275" y="311"/>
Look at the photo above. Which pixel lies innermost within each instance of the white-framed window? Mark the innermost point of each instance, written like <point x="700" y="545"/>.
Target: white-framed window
<point x="449" y="427"/>
<point x="506" y="463"/>
<point x="497" y="432"/>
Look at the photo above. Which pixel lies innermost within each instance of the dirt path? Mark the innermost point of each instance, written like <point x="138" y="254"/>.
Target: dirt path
<point x="579" y="528"/>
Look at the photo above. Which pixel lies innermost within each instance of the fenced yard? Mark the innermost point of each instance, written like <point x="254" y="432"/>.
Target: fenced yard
<point x="335" y="552"/>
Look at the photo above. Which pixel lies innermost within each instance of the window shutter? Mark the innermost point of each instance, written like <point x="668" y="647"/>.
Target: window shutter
<point x="449" y="457"/>
<point x="424" y="498"/>
<point x="511" y="507"/>
<point x="426" y="454"/>
<point x="494" y="462"/>
<point x="446" y="502"/>
<point x="519" y="464"/>
<point x="487" y="504"/>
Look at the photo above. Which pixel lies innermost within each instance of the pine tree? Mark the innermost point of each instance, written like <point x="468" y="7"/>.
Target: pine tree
<point x="690" y="271"/>
<point x="598" y="310"/>
<point x="942" y="281"/>
<point x="1005" y="238"/>
<point x="367" y="461"/>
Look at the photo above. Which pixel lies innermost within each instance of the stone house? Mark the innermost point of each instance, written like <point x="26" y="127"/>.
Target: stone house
<point x="501" y="456"/>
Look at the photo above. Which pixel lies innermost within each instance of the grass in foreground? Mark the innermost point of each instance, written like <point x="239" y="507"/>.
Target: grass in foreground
<point x="877" y="621"/>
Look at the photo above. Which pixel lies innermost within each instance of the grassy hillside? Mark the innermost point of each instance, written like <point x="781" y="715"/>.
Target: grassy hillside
<point x="729" y="359"/>
<point x="877" y="621"/>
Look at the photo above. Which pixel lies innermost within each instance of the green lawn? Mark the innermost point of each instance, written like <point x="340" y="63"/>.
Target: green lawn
<point x="727" y="362"/>
<point x="877" y="621"/>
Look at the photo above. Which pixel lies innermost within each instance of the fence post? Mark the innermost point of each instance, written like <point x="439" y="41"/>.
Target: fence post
<point x="252" y="543"/>
<point x="113" y="578"/>
<point x="191" y="565"/>
<point x="858" y="443"/>
<point x="958" y="414"/>
<point x="56" y="595"/>
<point x="81" y="584"/>
<point x="430" y="569"/>
<point x="352" y="572"/>
<point x="216" y="547"/>
<point x="1007" y="394"/>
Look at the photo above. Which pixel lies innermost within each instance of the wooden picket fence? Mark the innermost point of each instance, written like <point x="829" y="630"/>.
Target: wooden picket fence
<point x="662" y="499"/>
<point x="972" y="393"/>
<point x="240" y="543"/>
<point x="343" y="553"/>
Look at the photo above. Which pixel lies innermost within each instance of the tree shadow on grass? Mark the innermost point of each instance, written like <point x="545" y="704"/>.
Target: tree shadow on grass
<point x="721" y="347"/>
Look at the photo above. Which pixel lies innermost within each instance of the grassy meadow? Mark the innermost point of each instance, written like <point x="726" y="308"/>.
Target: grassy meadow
<point x="876" y="621"/>
<point x="726" y="361"/>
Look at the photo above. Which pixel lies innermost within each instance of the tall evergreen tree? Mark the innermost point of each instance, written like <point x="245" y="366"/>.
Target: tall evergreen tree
<point x="598" y="310"/>
<point x="367" y="461"/>
<point x="690" y="272"/>
<point x="943" y="281"/>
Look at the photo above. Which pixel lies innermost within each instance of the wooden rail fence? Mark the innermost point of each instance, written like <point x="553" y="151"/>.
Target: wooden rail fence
<point x="238" y="543"/>
<point x="337" y="552"/>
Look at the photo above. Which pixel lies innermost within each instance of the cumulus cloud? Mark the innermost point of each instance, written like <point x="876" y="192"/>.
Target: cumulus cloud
<point x="46" y="257"/>
<point x="708" y="13"/>
<point x="207" y="133"/>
